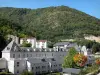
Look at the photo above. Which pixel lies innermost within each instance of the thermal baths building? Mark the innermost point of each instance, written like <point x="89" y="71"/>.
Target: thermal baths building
<point x="37" y="60"/>
<point x="18" y="59"/>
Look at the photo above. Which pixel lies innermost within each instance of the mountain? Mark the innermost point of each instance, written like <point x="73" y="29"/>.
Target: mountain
<point x="51" y="23"/>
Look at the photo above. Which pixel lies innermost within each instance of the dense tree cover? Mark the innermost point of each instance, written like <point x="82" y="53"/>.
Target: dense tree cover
<point x="10" y="27"/>
<point x="68" y="60"/>
<point x="2" y="43"/>
<point x="7" y="27"/>
<point x="52" y="23"/>
<point x="89" y="44"/>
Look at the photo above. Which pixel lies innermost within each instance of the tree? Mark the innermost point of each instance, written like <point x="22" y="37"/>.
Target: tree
<point x="80" y="60"/>
<point x="26" y="44"/>
<point x="95" y="48"/>
<point x="68" y="60"/>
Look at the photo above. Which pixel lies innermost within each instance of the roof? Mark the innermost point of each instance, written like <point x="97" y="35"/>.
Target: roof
<point x="70" y="44"/>
<point x="61" y="43"/>
<point x="2" y="59"/>
<point x="12" y="46"/>
<point x="71" y="70"/>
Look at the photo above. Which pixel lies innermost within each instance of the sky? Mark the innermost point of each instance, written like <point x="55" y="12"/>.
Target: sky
<point x="91" y="7"/>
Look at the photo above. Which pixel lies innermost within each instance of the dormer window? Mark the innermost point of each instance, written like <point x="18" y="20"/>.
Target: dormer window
<point x="53" y="59"/>
<point x="8" y="48"/>
<point x="15" y="48"/>
<point x="19" y="56"/>
<point x="43" y="60"/>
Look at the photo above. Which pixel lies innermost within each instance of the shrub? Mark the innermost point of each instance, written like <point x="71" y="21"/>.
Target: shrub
<point x="27" y="73"/>
<point x="80" y="59"/>
<point x="97" y="61"/>
<point x="68" y="60"/>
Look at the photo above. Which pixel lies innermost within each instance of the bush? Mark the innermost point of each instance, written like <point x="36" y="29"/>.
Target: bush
<point x="90" y="69"/>
<point x="5" y="73"/>
<point x="68" y="60"/>
<point x="80" y="59"/>
<point x="26" y="44"/>
<point x="27" y="73"/>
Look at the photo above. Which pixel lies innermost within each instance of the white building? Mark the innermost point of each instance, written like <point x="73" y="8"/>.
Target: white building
<point x="29" y="40"/>
<point x="64" y="45"/>
<point x="12" y="37"/>
<point x="18" y="59"/>
<point x="35" y="43"/>
<point x="41" y="44"/>
<point x="86" y="51"/>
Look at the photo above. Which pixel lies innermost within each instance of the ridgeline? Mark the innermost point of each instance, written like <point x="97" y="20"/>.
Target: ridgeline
<point x="51" y="23"/>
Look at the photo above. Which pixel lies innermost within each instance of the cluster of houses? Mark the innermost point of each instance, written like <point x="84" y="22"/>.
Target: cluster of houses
<point x="38" y="58"/>
<point x="32" y="40"/>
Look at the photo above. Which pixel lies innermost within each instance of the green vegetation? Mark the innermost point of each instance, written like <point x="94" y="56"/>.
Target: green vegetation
<point x="58" y="73"/>
<point x="68" y="60"/>
<point x="89" y="44"/>
<point x="51" y="23"/>
<point x="26" y="44"/>
<point x="5" y="73"/>
<point x="27" y="73"/>
<point x="93" y="69"/>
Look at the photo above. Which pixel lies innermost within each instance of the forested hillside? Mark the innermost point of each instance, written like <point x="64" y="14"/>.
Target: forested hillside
<point x="7" y="27"/>
<point x="51" y="23"/>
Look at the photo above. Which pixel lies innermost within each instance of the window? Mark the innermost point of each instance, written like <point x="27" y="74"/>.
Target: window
<point x="17" y="64"/>
<point x="38" y="67"/>
<point x="32" y="68"/>
<point x="36" y="55"/>
<point x="23" y="55"/>
<point x="19" y="56"/>
<point x="48" y="66"/>
<point x="45" y="55"/>
<point x="27" y="55"/>
<point x="52" y="54"/>
<point x="17" y="71"/>
<point x="43" y="60"/>
<point x="13" y="55"/>
<point x="51" y="65"/>
<point x="43" y="66"/>
<point x="8" y="48"/>
<point x="42" y="43"/>
<point x="59" y="64"/>
<point x="31" y="55"/>
<point x="53" y="59"/>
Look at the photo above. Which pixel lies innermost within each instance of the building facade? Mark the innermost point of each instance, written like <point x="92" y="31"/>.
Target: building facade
<point x="41" y="44"/>
<point x="29" y="40"/>
<point x="36" y="60"/>
<point x="35" y="43"/>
